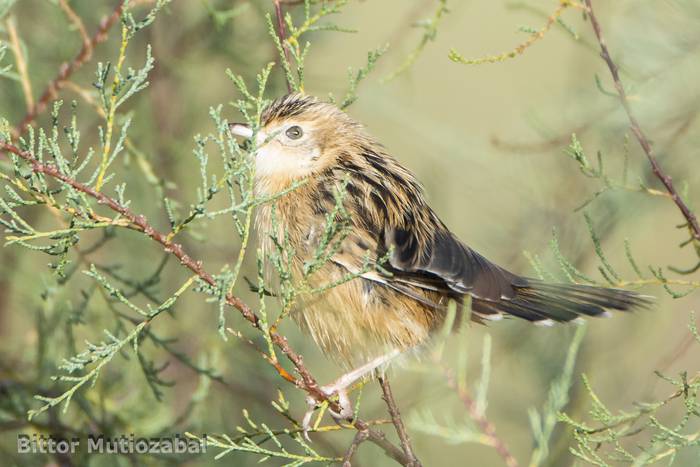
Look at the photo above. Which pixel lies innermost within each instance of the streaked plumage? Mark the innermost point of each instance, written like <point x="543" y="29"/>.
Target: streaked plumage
<point x="428" y="265"/>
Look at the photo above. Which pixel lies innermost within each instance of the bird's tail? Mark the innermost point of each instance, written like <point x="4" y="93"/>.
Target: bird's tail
<point x="545" y="303"/>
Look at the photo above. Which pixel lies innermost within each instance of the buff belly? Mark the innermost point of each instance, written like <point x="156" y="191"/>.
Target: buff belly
<point x="361" y="319"/>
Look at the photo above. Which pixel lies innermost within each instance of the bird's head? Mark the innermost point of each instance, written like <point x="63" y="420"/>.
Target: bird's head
<point x="299" y="136"/>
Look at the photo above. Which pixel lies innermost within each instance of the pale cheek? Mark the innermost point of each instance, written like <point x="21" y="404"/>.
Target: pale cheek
<point x="272" y="161"/>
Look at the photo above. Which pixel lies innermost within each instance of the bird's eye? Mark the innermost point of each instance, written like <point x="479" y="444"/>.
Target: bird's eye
<point x="294" y="132"/>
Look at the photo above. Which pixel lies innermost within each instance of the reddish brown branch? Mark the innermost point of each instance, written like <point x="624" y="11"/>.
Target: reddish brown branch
<point x="68" y="69"/>
<point x="282" y="34"/>
<point x="78" y="23"/>
<point x="51" y="92"/>
<point x="486" y="427"/>
<point x="388" y="397"/>
<point x="665" y="179"/>
<point x="378" y="438"/>
<point x="138" y="222"/>
<point x="359" y="438"/>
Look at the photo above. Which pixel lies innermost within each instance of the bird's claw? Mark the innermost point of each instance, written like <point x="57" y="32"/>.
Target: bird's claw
<point x="346" y="411"/>
<point x="306" y="422"/>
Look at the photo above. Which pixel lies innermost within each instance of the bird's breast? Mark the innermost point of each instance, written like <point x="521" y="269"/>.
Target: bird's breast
<point x="356" y="320"/>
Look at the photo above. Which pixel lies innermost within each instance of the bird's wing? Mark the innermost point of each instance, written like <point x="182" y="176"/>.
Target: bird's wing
<point x="444" y="258"/>
<point x="442" y="264"/>
<point x="397" y="240"/>
<point x="495" y="290"/>
<point x="358" y="255"/>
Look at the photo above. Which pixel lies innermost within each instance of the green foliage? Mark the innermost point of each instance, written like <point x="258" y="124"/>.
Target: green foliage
<point x="101" y="354"/>
<point x="254" y="436"/>
<point x="604" y="440"/>
<point x="543" y="423"/>
<point x="534" y="36"/>
<point x="430" y="27"/>
<point x="465" y="429"/>
<point x="5" y="6"/>
<point x="231" y="185"/>
<point x="122" y="87"/>
<point x="291" y="43"/>
<point x="608" y="182"/>
<point x="475" y="427"/>
<point x="609" y="273"/>
<point x="101" y="346"/>
<point x="222" y="17"/>
<point x="4" y="69"/>
<point x="357" y="77"/>
<point x="576" y="152"/>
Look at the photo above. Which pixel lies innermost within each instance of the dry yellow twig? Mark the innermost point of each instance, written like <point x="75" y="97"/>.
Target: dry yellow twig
<point x="534" y="37"/>
<point x="21" y="63"/>
<point x="79" y="25"/>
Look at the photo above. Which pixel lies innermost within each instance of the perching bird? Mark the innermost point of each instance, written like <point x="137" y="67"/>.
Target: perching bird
<point x="409" y="265"/>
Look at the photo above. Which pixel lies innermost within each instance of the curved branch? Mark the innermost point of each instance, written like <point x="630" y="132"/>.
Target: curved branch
<point x="282" y="34"/>
<point x="486" y="427"/>
<point x="665" y="179"/>
<point x="305" y="381"/>
<point x="68" y="69"/>
<point x="388" y="397"/>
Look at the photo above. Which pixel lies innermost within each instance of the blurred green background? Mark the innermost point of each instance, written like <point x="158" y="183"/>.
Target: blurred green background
<point x="488" y="143"/>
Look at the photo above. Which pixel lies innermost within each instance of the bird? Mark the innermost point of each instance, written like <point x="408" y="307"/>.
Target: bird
<point x="392" y="267"/>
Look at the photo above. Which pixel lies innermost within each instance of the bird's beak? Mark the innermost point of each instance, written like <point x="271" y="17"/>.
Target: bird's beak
<point x="241" y="129"/>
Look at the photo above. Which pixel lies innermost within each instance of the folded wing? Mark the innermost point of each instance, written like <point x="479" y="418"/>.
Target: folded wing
<point x="494" y="290"/>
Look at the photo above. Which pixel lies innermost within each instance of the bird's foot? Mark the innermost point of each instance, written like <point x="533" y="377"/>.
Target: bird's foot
<point x="346" y="410"/>
<point x="339" y="389"/>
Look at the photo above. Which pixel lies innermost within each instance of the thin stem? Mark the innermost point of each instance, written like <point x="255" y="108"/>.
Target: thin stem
<point x="359" y="438"/>
<point x="518" y="50"/>
<point x="243" y="249"/>
<point x="665" y="179"/>
<point x="92" y="374"/>
<point x="388" y="397"/>
<point x="78" y="23"/>
<point x="640" y="282"/>
<point x="378" y="438"/>
<point x="282" y="34"/>
<point x="630" y="418"/>
<point x="112" y="108"/>
<point x="139" y="222"/>
<point x="486" y="427"/>
<point x="21" y="63"/>
<point x="143" y="163"/>
<point x="68" y="69"/>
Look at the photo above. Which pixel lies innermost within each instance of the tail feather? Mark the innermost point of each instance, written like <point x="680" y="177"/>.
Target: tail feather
<point x="539" y="301"/>
<point x="618" y="299"/>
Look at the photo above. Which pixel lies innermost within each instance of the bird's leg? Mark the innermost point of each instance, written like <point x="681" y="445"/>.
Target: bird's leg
<point x="339" y="387"/>
<point x="349" y="378"/>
